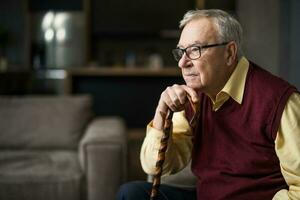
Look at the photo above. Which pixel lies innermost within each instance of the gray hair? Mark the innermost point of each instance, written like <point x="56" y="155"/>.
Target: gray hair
<point x="229" y="28"/>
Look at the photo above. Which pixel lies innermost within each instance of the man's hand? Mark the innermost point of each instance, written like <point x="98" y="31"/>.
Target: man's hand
<point x="174" y="98"/>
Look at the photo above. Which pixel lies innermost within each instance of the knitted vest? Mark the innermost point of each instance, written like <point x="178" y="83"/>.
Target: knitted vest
<point x="234" y="155"/>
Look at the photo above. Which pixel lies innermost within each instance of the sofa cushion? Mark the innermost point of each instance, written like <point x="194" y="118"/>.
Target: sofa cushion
<point x="184" y="179"/>
<point x="40" y="175"/>
<point x="36" y="122"/>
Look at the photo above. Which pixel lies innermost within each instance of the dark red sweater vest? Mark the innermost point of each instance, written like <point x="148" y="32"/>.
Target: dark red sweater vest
<point x="234" y="155"/>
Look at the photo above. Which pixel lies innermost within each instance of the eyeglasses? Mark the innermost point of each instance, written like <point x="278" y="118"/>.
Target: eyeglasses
<point x="193" y="52"/>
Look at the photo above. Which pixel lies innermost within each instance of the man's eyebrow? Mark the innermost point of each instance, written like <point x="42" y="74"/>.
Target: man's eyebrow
<point x="192" y="44"/>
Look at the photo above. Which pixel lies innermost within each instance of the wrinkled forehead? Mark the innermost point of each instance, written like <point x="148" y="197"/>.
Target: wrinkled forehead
<point x="199" y="31"/>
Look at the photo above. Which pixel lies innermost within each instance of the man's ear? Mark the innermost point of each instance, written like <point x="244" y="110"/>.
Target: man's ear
<point x="231" y="53"/>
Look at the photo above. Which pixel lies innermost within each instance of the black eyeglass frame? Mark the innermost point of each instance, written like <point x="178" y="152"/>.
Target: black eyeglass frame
<point x="200" y="47"/>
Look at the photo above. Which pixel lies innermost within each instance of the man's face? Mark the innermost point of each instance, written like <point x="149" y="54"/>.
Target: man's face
<point x="208" y="73"/>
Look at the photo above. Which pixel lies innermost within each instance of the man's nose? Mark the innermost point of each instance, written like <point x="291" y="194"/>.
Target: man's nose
<point x="184" y="61"/>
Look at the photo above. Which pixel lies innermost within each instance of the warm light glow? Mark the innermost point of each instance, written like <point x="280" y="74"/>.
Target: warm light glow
<point x="48" y="20"/>
<point x="60" y="20"/>
<point x="49" y="34"/>
<point x="61" y="34"/>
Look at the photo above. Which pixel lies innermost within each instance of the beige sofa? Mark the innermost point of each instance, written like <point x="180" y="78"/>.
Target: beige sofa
<point x="53" y="148"/>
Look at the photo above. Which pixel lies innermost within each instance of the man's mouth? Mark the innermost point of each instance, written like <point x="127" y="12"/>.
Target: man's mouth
<point x="190" y="74"/>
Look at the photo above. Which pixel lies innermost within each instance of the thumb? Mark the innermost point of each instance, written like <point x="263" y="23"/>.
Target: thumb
<point x="192" y="93"/>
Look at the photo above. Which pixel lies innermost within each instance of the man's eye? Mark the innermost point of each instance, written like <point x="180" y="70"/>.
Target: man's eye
<point x="194" y="49"/>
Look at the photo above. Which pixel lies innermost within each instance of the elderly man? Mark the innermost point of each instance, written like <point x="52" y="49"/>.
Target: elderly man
<point x="247" y="141"/>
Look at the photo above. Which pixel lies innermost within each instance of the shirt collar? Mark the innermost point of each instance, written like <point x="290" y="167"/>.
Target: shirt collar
<point x="236" y="84"/>
<point x="234" y="87"/>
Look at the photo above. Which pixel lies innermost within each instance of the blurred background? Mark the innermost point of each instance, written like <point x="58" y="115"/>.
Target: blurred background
<point x="120" y="51"/>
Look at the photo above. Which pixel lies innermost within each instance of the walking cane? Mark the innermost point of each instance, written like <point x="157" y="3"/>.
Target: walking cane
<point x="164" y="145"/>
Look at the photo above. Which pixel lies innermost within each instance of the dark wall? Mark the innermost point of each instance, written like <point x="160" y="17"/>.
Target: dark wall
<point x="133" y="98"/>
<point x="45" y="5"/>
<point x="12" y="19"/>
<point x="294" y="42"/>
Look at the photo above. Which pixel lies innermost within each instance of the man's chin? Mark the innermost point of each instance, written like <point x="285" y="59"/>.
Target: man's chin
<point x="194" y="86"/>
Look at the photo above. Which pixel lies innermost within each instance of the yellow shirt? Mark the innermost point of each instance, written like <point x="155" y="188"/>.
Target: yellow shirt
<point x="287" y="142"/>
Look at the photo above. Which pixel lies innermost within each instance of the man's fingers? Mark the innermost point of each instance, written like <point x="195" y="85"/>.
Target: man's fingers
<point x="172" y="94"/>
<point x="180" y="94"/>
<point x="174" y="97"/>
<point x="192" y="93"/>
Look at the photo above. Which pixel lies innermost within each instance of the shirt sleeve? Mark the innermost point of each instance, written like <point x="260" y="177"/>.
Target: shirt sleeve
<point x="179" y="149"/>
<point x="287" y="147"/>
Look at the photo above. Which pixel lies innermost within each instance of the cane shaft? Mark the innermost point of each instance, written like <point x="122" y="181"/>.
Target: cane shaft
<point x="161" y="154"/>
<point x="164" y="146"/>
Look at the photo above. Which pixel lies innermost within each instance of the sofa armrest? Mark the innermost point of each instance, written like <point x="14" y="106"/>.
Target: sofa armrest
<point x="103" y="157"/>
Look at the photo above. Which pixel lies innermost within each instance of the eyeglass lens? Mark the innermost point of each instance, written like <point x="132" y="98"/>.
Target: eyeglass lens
<point x="192" y="52"/>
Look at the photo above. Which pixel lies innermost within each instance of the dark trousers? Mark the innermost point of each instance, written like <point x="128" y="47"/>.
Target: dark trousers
<point x="140" y="190"/>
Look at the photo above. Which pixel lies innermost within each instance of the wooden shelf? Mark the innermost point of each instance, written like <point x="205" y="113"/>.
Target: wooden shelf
<point x="123" y="71"/>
